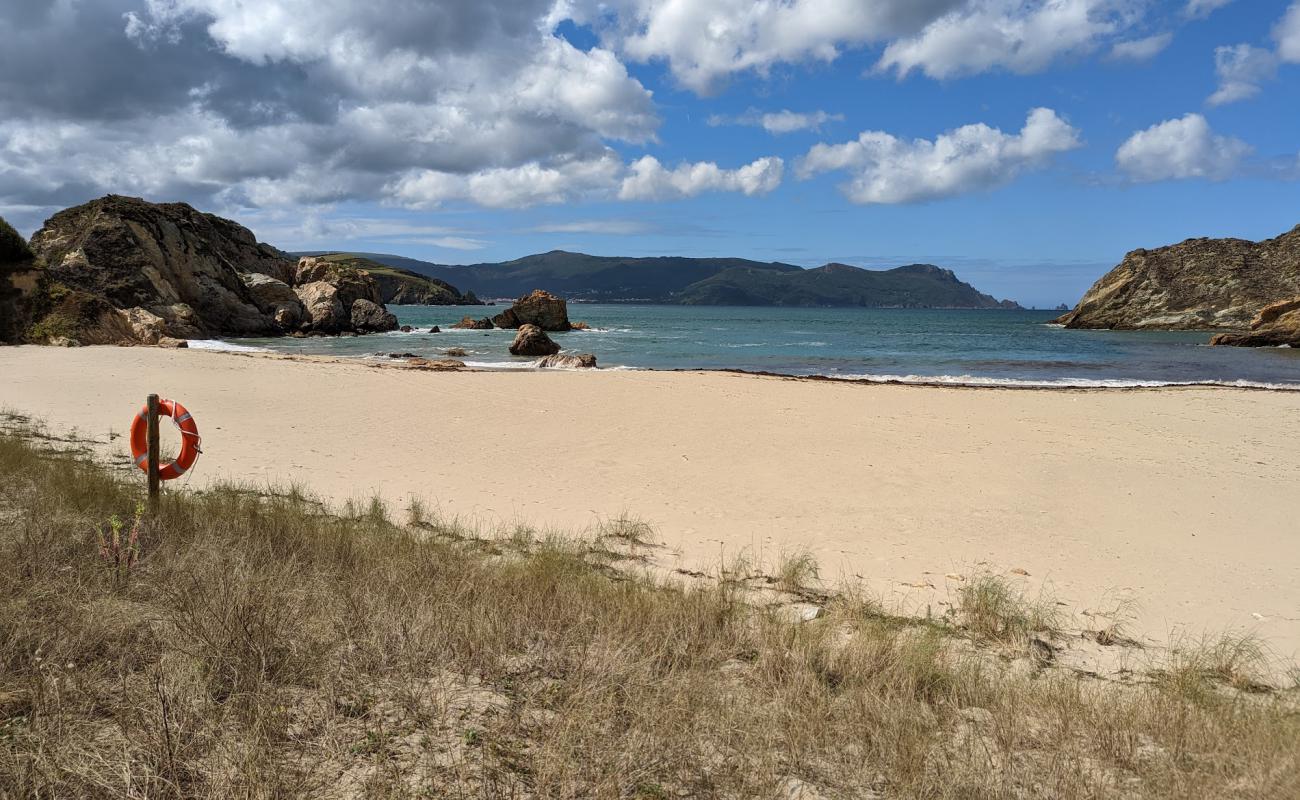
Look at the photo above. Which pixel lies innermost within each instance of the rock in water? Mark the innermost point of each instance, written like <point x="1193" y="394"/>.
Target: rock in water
<point x="471" y="324"/>
<point x="567" y="361"/>
<point x="1274" y="326"/>
<point x="533" y="341"/>
<point x="541" y="308"/>
<point x="369" y="317"/>
<point x="1198" y="284"/>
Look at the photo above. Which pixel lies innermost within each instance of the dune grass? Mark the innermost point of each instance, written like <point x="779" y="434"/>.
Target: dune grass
<point x="254" y="645"/>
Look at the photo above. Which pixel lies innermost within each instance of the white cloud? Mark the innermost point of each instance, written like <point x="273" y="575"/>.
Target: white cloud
<point x="649" y="180"/>
<point x="609" y="227"/>
<point x="1196" y="9"/>
<point x="1180" y="148"/>
<point x="886" y="169"/>
<point x="534" y="183"/>
<point x="1140" y="49"/>
<point x="298" y="102"/>
<point x="779" y="122"/>
<point x="454" y="242"/>
<point x="1018" y="35"/>
<point x="706" y="41"/>
<point x="1287" y="34"/>
<point x="601" y="177"/>
<point x="1241" y="69"/>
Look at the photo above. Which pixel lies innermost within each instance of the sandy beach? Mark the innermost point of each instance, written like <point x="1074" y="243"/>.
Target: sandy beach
<point x="1182" y="500"/>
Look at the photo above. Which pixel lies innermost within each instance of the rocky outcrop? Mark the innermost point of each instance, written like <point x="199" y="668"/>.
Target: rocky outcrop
<point x="122" y="270"/>
<point x="471" y="324"/>
<point x="540" y="308"/>
<point x="567" y="361"/>
<point x="1198" y="284"/>
<point x="1276" y="325"/>
<point x="533" y="341"/>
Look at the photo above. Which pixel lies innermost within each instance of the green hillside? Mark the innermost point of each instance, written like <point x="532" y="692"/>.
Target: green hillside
<point x="912" y="286"/>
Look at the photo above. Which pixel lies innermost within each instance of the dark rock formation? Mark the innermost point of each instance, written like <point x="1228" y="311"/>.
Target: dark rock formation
<point x="567" y="361"/>
<point x="1198" y="284"/>
<point x="533" y="341"/>
<point x="435" y="329"/>
<point x="455" y="352"/>
<point x="20" y="278"/>
<point x="540" y="308"/>
<point x="1274" y="326"/>
<point x="471" y="324"/>
<point x="125" y="271"/>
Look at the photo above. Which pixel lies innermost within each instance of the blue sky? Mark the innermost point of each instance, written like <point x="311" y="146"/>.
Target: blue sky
<point x="486" y="131"/>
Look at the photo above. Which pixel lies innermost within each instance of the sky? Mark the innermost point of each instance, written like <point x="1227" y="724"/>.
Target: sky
<point x="1025" y="144"/>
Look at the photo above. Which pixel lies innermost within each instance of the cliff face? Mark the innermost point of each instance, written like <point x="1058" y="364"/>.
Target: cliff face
<point x="121" y="270"/>
<point x="1198" y="284"/>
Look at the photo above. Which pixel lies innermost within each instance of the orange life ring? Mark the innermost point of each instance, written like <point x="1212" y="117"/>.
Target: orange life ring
<point x="189" y="439"/>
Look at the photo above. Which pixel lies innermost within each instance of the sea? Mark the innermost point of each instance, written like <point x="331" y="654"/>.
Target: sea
<point x="994" y="347"/>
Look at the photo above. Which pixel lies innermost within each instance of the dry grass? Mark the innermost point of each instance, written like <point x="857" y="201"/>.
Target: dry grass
<point x="263" y="648"/>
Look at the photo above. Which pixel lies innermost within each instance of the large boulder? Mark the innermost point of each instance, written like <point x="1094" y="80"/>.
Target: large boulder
<point x="569" y="361"/>
<point x="541" y="308"/>
<point x="368" y="317"/>
<point x="324" y="309"/>
<point x="136" y="254"/>
<point x="533" y="341"/>
<point x="1198" y="284"/>
<point x="1274" y="326"/>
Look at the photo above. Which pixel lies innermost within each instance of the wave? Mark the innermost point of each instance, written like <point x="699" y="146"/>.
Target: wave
<point x="219" y="344"/>
<point x="1053" y="383"/>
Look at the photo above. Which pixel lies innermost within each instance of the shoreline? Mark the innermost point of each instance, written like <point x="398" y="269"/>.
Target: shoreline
<point x="936" y="381"/>
<point x="1168" y="497"/>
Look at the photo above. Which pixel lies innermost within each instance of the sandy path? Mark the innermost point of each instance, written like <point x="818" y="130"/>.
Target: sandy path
<point x="1185" y="500"/>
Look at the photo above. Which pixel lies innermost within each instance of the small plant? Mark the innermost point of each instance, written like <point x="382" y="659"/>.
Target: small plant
<point x="796" y="571"/>
<point x="993" y="609"/>
<point x="121" y="551"/>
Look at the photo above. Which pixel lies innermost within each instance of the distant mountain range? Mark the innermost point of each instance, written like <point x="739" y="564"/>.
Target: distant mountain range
<point x="702" y="281"/>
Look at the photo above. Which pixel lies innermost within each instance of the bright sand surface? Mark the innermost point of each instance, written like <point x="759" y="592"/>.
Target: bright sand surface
<point x="1185" y="500"/>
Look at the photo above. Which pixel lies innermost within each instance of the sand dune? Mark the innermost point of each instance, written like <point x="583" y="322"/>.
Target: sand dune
<point x="1182" y="499"/>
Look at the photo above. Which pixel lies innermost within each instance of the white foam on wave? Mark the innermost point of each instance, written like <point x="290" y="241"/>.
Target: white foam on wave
<point x="219" y="344"/>
<point x="1056" y="383"/>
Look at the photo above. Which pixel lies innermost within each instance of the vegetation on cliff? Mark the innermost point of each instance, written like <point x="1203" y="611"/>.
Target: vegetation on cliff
<point x="256" y="645"/>
<point x="13" y="247"/>
<point x="403" y="287"/>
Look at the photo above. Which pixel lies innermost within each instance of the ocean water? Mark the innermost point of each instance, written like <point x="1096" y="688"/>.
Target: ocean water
<point x="966" y="347"/>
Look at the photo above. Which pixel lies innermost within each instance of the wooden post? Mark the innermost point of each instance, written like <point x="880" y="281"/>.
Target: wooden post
<point x="153" y="453"/>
